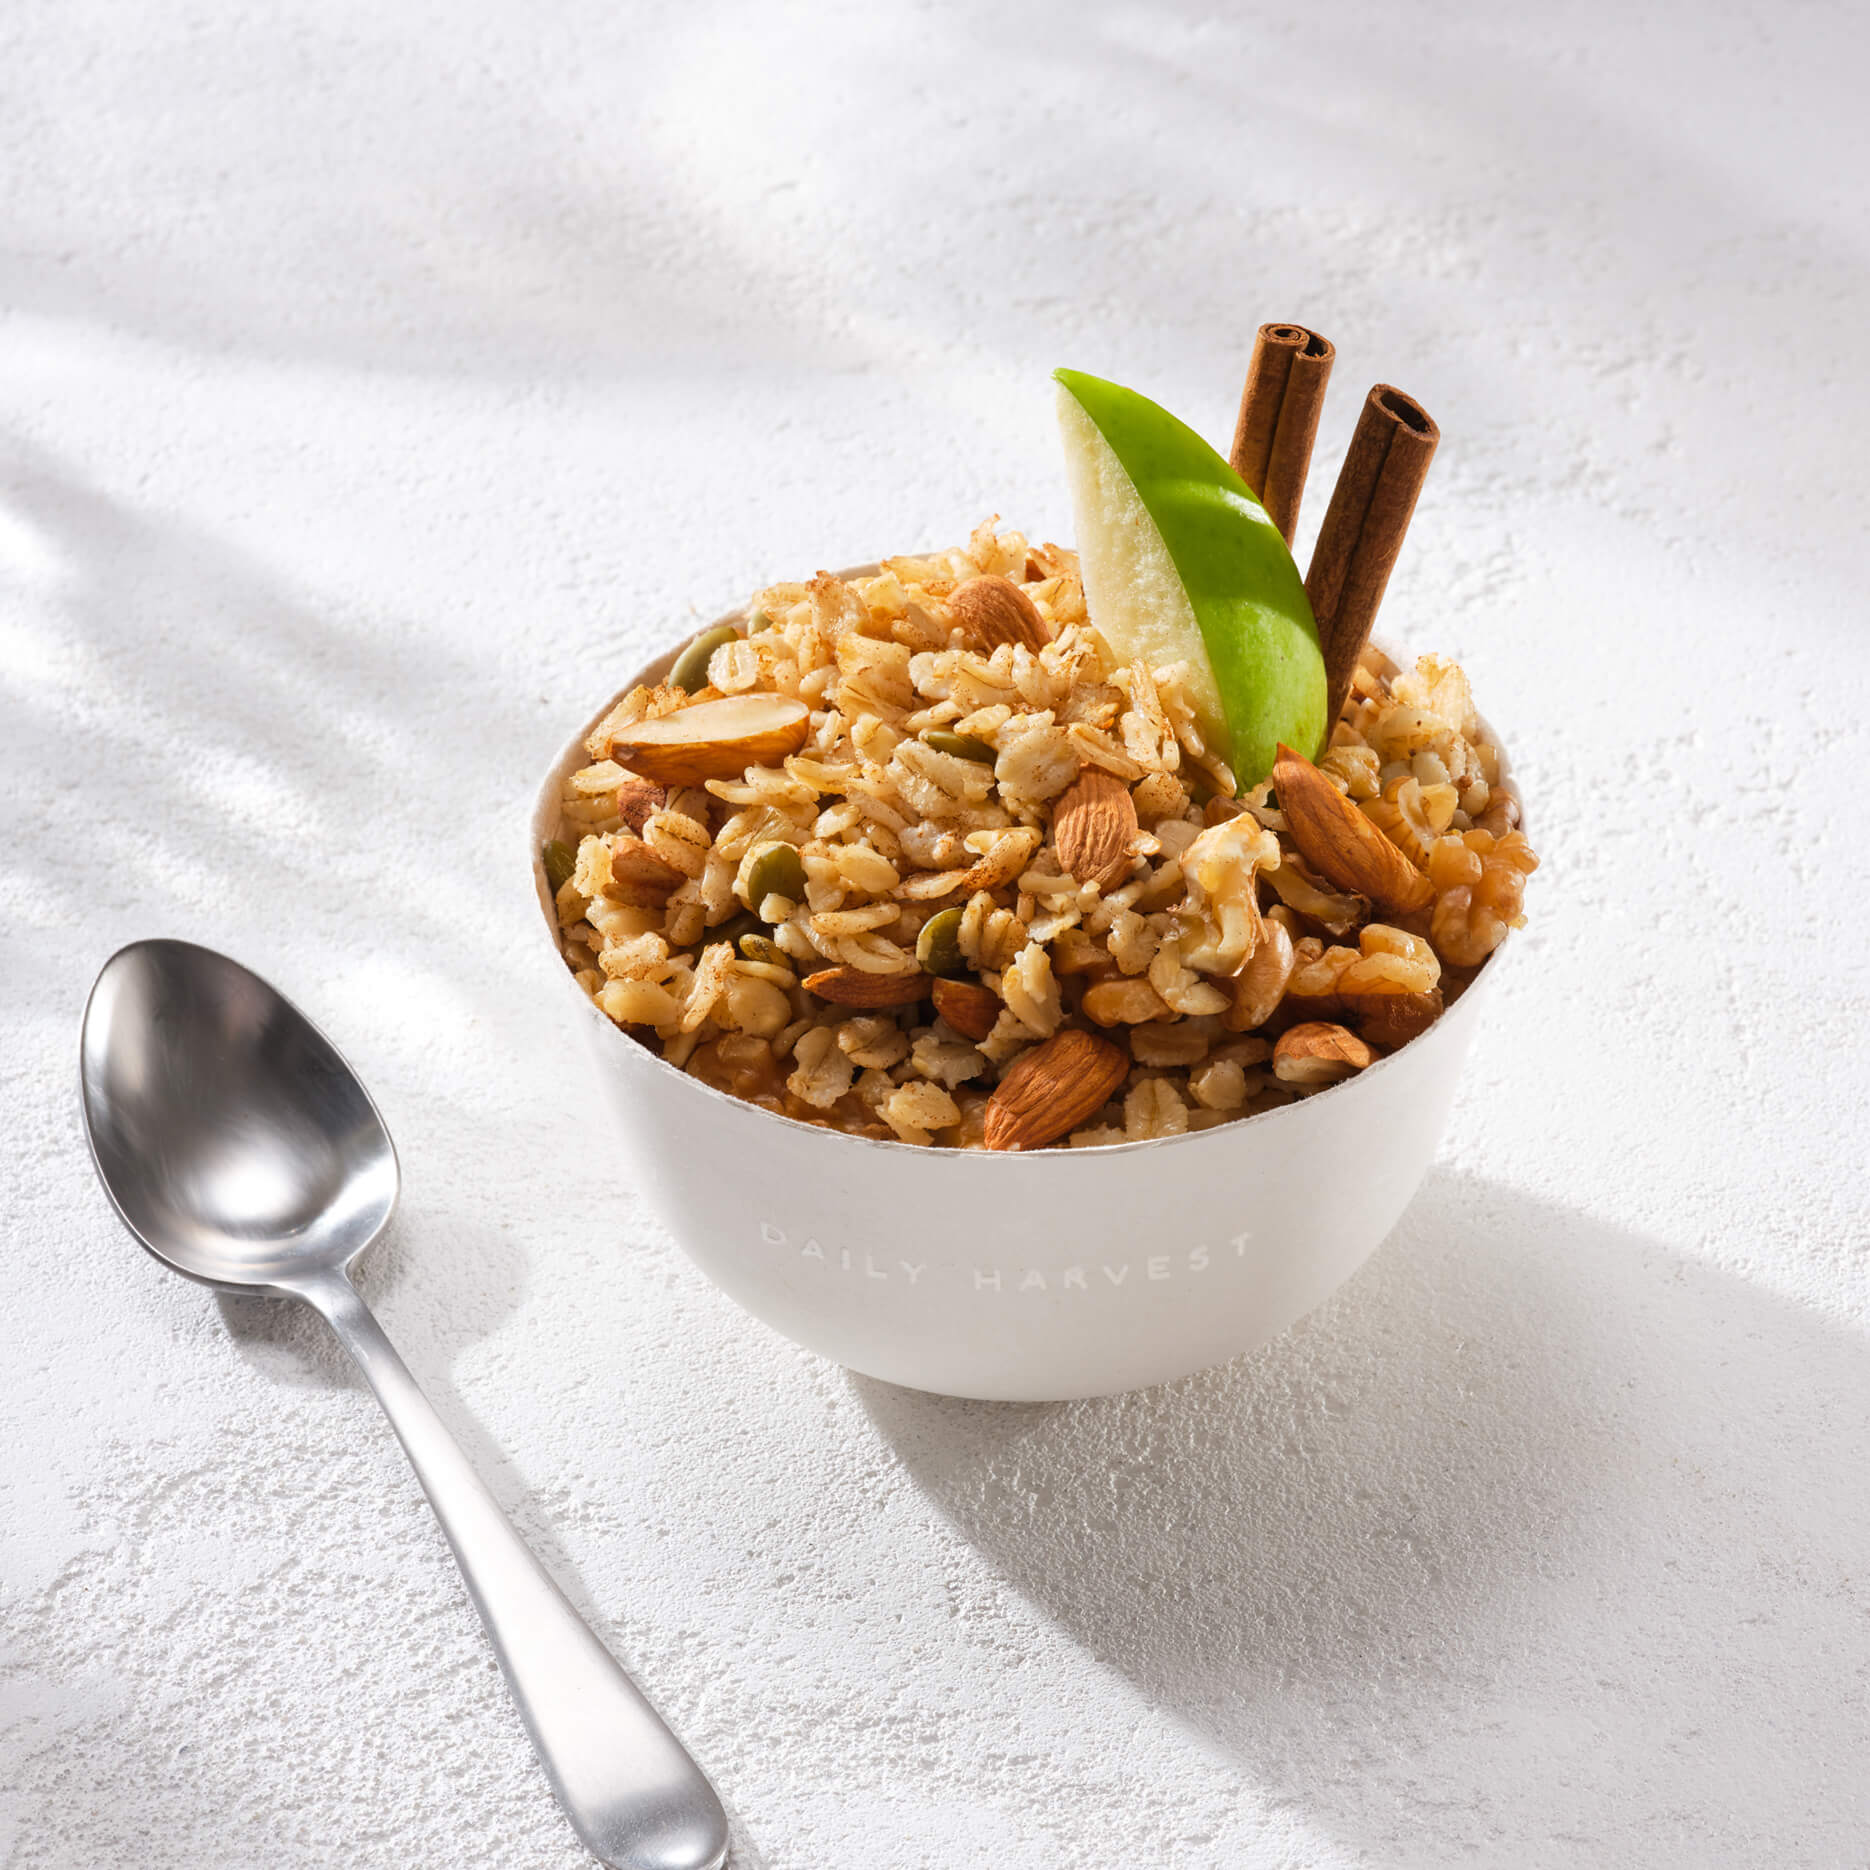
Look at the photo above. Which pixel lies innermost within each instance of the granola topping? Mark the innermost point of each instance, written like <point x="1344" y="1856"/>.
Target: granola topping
<point x="917" y="858"/>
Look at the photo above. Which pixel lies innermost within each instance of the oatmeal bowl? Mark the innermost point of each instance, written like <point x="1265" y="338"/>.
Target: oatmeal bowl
<point x="969" y="1018"/>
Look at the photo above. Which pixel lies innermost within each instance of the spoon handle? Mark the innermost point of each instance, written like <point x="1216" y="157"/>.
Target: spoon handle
<point x="631" y="1791"/>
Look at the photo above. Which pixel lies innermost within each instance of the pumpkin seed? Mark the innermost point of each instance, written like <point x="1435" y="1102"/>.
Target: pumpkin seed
<point x="560" y="861"/>
<point x="962" y="746"/>
<point x="938" y="947"/>
<point x="765" y="950"/>
<point x="775" y="868"/>
<point x="691" y="666"/>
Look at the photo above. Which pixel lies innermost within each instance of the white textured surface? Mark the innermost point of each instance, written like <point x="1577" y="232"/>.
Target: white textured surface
<point x="379" y="380"/>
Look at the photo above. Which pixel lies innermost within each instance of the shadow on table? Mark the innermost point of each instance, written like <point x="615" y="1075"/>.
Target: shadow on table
<point x="1538" y="1542"/>
<point x="260" y="722"/>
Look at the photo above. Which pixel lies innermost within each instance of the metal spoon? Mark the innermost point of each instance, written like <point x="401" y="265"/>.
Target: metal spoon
<point x="242" y="1151"/>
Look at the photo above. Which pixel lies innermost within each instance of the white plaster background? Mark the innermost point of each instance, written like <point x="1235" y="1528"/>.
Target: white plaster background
<point x="379" y="382"/>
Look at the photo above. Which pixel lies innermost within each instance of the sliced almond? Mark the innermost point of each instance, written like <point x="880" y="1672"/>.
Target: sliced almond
<point x="968" y="1007"/>
<point x="713" y="739"/>
<point x="1052" y="1089"/>
<point x="637" y="799"/>
<point x="638" y="877"/>
<point x="853" y="986"/>
<point x="1318" y="1053"/>
<point x="1340" y="843"/>
<point x="995" y="610"/>
<point x="1393" y="1019"/>
<point x="1093" y="827"/>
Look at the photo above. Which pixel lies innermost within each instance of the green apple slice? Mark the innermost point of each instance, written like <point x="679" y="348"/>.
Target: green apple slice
<point x="1182" y="564"/>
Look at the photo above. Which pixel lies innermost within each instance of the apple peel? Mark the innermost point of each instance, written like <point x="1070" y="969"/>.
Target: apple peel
<point x="1181" y="564"/>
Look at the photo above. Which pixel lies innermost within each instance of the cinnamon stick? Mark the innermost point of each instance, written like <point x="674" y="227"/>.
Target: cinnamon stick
<point x="1279" y="417"/>
<point x="1363" y="531"/>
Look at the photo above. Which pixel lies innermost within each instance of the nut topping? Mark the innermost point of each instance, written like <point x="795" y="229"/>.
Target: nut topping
<point x="1341" y="844"/>
<point x="637" y="799"/>
<point x="1392" y="1019"/>
<point x="713" y="739"/>
<point x="638" y="877"/>
<point x="1319" y="1053"/>
<point x="853" y="986"/>
<point x="995" y="610"/>
<point x="1093" y="826"/>
<point x="968" y="1007"/>
<point x="1053" y="1088"/>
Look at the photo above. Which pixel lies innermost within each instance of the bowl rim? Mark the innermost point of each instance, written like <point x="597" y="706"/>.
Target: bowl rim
<point x="544" y="824"/>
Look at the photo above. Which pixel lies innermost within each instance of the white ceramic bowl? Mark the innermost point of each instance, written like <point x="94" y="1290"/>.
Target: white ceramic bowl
<point x="1037" y="1277"/>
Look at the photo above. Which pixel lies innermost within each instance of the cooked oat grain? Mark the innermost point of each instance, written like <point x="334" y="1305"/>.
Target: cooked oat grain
<point x="939" y="765"/>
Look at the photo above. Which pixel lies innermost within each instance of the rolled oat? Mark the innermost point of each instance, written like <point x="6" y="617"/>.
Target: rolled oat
<point x="1185" y="928"/>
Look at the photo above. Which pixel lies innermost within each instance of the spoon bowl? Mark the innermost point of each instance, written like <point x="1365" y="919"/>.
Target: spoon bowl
<point x="233" y="1139"/>
<point x="237" y="1145"/>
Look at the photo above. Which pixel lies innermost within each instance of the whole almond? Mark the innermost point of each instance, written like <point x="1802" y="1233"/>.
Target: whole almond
<point x="994" y="610"/>
<point x="1319" y="1053"/>
<point x="1092" y="828"/>
<point x="852" y="986"/>
<point x="1048" y="1091"/>
<point x="968" y="1007"/>
<point x="1340" y="843"/>
<point x="637" y="799"/>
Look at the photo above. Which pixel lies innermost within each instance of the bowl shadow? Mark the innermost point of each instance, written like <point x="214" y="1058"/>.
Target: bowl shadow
<point x="1537" y="1544"/>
